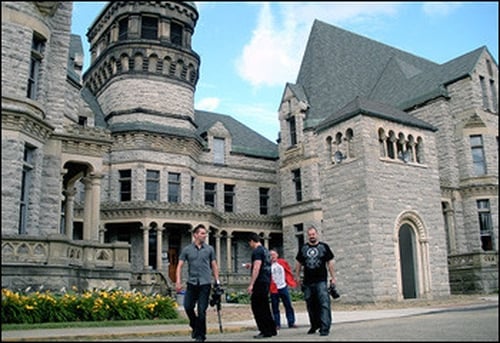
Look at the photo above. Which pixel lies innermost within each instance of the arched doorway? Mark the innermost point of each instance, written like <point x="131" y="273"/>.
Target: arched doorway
<point x="411" y="249"/>
<point x="407" y="261"/>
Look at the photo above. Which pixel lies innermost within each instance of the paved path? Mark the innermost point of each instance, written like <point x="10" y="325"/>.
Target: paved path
<point x="103" y="333"/>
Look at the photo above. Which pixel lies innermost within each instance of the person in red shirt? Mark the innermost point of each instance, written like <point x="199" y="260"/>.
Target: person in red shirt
<point x="281" y="279"/>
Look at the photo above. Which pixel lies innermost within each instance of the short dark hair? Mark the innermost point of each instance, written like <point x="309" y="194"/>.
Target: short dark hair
<point x="198" y="227"/>
<point x="254" y="237"/>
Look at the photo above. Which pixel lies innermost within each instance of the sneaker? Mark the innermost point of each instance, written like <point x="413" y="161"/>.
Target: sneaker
<point x="277" y="328"/>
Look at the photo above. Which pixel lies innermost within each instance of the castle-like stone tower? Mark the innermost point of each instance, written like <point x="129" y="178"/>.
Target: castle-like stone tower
<point x="143" y="71"/>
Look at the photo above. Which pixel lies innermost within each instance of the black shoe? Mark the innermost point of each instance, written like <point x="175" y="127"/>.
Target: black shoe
<point x="311" y="331"/>
<point x="261" y="335"/>
<point x="324" y="333"/>
<point x="200" y="339"/>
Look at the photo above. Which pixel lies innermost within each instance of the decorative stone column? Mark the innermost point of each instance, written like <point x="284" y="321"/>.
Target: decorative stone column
<point x="217" y="248"/>
<point x="145" y="239"/>
<point x="229" y="253"/>
<point x="102" y="231"/>
<point x="69" y="211"/>
<point x="87" y="209"/>
<point x="266" y="241"/>
<point x="159" y="247"/>
<point x="96" y="205"/>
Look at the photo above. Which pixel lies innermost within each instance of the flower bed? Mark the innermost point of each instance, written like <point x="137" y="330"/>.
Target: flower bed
<point x="96" y="305"/>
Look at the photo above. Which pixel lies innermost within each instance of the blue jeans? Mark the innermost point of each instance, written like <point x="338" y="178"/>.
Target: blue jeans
<point x="318" y="305"/>
<point x="197" y="294"/>
<point x="284" y="295"/>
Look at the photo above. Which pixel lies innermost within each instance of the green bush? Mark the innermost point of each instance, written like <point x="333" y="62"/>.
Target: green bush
<point x="96" y="305"/>
<point x="242" y="297"/>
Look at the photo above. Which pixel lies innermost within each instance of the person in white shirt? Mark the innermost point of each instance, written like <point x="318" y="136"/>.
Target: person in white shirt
<point x="281" y="279"/>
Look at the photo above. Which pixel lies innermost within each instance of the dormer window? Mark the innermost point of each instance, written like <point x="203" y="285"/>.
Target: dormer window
<point x="219" y="147"/>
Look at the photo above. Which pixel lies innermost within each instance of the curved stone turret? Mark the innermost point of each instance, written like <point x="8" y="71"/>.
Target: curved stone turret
<point x="143" y="71"/>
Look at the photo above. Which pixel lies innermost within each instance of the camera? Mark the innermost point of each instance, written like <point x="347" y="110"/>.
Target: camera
<point x="332" y="290"/>
<point x="217" y="292"/>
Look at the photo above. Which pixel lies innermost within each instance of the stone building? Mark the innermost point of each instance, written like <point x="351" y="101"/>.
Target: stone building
<point x="393" y="157"/>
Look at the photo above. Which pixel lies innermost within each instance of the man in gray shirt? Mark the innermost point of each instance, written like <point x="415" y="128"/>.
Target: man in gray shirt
<point x="201" y="264"/>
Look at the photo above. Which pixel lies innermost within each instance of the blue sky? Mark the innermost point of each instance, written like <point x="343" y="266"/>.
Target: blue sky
<point x="249" y="50"/>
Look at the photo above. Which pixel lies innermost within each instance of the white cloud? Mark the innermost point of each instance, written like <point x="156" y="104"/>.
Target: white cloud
<point x="439" y="8"/>
<point x="208" y="104"/>
<point x="273" y="55"/>
<point x="267" y="59"/>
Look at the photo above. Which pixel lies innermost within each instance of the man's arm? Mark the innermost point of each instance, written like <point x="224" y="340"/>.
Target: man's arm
<point x="331" y="268"/>
<point x="178" y="283"/>
<point x="255" y="273"/>
<point x="215" y="271"/>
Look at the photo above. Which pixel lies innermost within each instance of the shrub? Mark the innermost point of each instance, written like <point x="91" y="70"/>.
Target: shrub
<point x="242" y="297"/>
<point x="95" y="305"/>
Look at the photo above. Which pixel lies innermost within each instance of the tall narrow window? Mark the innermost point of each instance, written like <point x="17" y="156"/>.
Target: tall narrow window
<point x="210" y="193"/>
<point x="293" y="130"/>
<point x="298" y="184"/>
<point x="149" y="28"/>
<point x="176" y="34"/>
<point x="26" y="180"/>
<point x="390" y="145"/>
<point x="494" y="96"/>
<point x="192" y="188"/>
<point x="219" y="146"/>
<point x="484" y="92"/>
<point x="152" y="184"/>
<point x="37" y="49"/>
<point x="228" y="198"/>
<point x="485" y="224"/>
<point x="263" y="200"/>
<point x="123" y="29"/>
<point x="299" y="234"/>
<point x="125" y="185"/>
<point x="477" y="150"/>
<point x="174" y="186"/>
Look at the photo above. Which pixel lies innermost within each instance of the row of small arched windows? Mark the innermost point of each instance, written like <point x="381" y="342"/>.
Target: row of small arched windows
<point x="406" y="148"/>
<point x="339" y="146"/>
<point x="139" y="63"/>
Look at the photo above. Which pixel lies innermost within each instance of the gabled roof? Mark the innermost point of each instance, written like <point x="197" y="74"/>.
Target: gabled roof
<point x="339" y="66"/>
<point x="363" y="106"/>
<point x="244" y="139"/>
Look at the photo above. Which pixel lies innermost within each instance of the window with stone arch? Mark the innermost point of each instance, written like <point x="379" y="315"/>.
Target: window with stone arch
<point x="340" y="147"/>
<point x="400" y="146"/>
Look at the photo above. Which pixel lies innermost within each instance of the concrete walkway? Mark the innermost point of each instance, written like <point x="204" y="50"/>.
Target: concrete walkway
<point x="302" y="320"/>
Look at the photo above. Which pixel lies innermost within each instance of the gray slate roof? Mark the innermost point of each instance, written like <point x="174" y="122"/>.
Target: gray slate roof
<point x="244" y="139"/>
<point x="364" y="106"/>
<point x="339" y="66"/>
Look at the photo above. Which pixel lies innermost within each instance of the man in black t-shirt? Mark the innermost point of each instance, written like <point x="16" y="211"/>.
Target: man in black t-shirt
<point x="258" y="288"/>
<point x="316" y="257"/>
